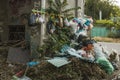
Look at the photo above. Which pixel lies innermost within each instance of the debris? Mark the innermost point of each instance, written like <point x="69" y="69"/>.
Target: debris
<point x="33" y="63"/>
<point x="10" y="65"/>
<point x="115" y="65"/>
<point x="20" y="43"/>
<point x="118" y="77"/>
<point x="58" y="62"/>
<point x="78" y="54"/>
<point x="20" y="73"/>
<point x="116" y="55"/>
<point x="22" y="78"/>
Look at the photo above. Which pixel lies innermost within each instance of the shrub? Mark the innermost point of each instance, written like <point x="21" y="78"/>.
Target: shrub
<point x="114" y="34"/>
<point x="104" y="23"/>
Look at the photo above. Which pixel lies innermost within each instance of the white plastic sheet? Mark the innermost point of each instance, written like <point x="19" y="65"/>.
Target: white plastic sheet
<point x="58" y="61"/>
<point x="25" y="78"/>
<point x="22" y="78"/>
<point x="98" y="51"/>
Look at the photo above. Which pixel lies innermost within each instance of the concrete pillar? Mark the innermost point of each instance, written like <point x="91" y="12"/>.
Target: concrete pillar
<point x="76" y="11"/>
<point x="82" y="7"/>
<point x="42" y="29"/>
<point x="100" y="15"/>
<point x="81" y="3"/>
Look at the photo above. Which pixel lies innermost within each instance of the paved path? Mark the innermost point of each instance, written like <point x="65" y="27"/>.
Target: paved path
<point x="109" y="46"/>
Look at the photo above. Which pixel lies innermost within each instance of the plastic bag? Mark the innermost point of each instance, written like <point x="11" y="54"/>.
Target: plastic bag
<point x="32" y="20"/>
<point x="81" y="32"/>
<point x="66" y="22"/>
<point x="86" y="56"/>
<point x="73" y="52"/>
<point x="116" y="55"/>
<point x="98" y="51"/>
<point x="102" y="60"/>
<point x="64" y="48"/>
<point x="106" y="52"/>
<point x="79" y="54"/>
<point x="73" y="25"/>
<point x="105" y="65"/>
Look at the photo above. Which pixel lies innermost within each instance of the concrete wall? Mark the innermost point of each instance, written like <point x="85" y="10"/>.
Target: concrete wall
<point x="3" y="19"/>
<point x="8" y="18"/>
<point x="77" y="3"/>
<point x="71" y="5"/>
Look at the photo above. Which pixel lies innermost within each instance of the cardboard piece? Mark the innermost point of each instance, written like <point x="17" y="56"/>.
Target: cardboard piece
<point x="18" y="55"/>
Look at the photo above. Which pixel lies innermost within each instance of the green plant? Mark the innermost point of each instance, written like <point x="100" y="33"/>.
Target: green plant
<point x="57" y="12"/>
<point x="115" y="34"/>
<point x="55" y="41"/>
<point x="57" y="7"/>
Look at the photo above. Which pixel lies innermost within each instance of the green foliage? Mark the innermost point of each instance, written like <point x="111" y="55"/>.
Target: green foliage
<point x="109" y="23"/>
<point x="116" y="11"/>
<point x="57" y="7"/>
<point x="107" y="7"/>
<point x="62" y="34"/>
<point x="55" y="41"/>
<point x="104" y="23"/>
<point x="111" y="35"/>
<point x="114" y="35"/>
<point x="117" y="23"/>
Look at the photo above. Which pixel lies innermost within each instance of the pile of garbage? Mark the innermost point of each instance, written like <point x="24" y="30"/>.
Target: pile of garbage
<point x="76" y="70"/>
<point x="65" y="58"/>
<point x="68" y="54"/>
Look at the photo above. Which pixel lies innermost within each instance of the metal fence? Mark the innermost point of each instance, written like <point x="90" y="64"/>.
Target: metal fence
<point x="100" y="31"/>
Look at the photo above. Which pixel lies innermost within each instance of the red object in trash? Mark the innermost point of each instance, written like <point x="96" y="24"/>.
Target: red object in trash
<point x="20" y="74"/>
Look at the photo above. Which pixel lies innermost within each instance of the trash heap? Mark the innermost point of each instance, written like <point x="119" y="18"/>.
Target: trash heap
<point x="64" y="55"/>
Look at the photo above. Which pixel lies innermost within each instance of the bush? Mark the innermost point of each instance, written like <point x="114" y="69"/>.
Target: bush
<point x="111" y="35"/>
<point x="104" y="23"/>
<point x="114" y="34"/>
